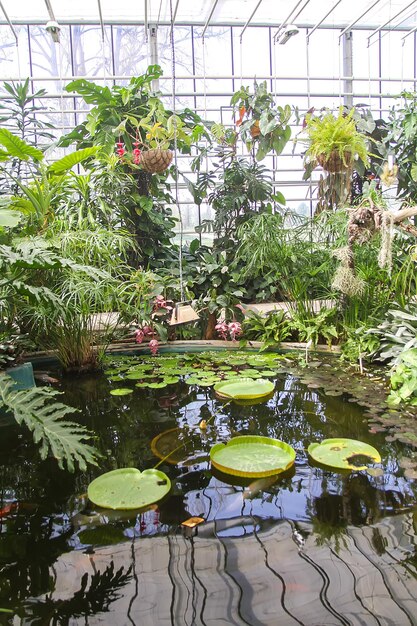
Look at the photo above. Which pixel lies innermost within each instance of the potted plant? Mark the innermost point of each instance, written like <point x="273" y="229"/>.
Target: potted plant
<point x="334" y="142"/>
<point x="262" y="124"/>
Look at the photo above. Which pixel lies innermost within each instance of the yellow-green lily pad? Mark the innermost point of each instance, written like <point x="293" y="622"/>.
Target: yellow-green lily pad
<point x="344" y="454"/>
<point x="252" y="456"/>
<point x="122" y="391"/>
<point x="244" y="388"/>
<point x="128" y="488"/>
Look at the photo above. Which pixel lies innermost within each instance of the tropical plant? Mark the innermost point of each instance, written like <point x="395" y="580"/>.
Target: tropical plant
<point x="404" y="379"/>
<point x="397" y="333"/>
<point x="126" y="114"/>
<point x="333" y="141"/>
<point x="262" y="244"/>
<point x="19" y="113"/>
<point x="66" y="441"/>
<point x="215" y="286"/>
<point x="244" y="189"/>
<point x="315" y="327"/>
<point x="358" y="344"/>
<point x="400" y="141"/>
<point x="262" y="124"/>
<point x="37" y="196"/>
<point x="271" y="328"/>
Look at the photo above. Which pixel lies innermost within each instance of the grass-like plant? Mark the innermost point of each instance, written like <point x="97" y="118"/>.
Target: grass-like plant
<point x="332" y="136"/>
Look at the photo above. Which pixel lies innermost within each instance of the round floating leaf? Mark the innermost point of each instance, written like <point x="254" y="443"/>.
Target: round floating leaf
<point x="171" y="380"/>
<point x="344" y="454"/>
<point x="157" y="385"/>
<point x="122" y="391"/>
<point x="134" y="376"/>
<point x="128" y="488"/>
<point x="252" y="456"/>
<point x="244" y="388"/>
<point x="179" y="445"/>
<point x="267" y="373"/>
<point x="250" y="372"/>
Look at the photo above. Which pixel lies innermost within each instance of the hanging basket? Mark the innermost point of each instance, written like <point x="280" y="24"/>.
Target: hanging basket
<point x="156" y="161"/>
<point x="334" y="163"/>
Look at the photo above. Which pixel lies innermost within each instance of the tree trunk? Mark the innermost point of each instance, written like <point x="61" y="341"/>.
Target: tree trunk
<point x="210" y="328"/>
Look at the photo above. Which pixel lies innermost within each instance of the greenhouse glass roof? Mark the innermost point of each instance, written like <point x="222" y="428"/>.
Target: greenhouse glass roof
<point x="389" y="14"/>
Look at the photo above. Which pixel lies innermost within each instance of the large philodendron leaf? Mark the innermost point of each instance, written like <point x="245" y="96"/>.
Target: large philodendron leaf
<point x="65" y="440"/>
<point x="9" y="218"/>
<point x="16" y="147"/>
<point x="70" y="160"/>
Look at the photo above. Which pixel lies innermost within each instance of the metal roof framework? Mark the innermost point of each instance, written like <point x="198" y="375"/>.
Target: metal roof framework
<point x="344" y="14"/>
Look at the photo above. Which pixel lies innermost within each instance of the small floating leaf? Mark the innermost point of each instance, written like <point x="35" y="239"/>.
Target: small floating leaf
<point x="123" y="391"/>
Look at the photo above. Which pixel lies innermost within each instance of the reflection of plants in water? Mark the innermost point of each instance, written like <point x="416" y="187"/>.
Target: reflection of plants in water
<point x="330" y="535"/>
<point x="88" y="600"/>
<point x="358" y="503"/>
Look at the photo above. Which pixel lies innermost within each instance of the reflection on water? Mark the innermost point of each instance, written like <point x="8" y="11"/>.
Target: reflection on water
<point x="313" y="547"/>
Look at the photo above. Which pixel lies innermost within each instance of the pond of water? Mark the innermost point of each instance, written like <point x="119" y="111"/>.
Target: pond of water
<point x="313" y="547"/>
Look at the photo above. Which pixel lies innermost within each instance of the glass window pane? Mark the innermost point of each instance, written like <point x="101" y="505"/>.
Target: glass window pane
<point x="130" y="50"/>
<point x="91" y="56"/>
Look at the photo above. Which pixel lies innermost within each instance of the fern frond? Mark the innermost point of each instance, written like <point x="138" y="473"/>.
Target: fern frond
<point x="65" y="440"/>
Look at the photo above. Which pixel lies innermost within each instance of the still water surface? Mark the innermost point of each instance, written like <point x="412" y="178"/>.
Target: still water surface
<point x="315" y="547"/>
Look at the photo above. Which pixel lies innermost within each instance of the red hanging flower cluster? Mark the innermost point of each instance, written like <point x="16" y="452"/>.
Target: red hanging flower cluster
<point x="136" y="153"/>
<point x="120" y="150"/>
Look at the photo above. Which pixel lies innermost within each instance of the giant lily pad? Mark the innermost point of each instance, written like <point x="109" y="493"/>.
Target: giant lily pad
<point x="252" y="456"/>
<point x="344" y="454"/>
<point x="180" y="445"/>
<point x="244" y="388"/>
<point x="128" y="488"/>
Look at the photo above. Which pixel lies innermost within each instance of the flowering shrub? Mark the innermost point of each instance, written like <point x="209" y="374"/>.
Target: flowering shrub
<point x="151" y="330"/>
<point x="231" y="329"/>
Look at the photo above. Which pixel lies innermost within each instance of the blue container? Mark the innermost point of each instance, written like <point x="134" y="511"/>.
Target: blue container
<point x="22" y="375"/>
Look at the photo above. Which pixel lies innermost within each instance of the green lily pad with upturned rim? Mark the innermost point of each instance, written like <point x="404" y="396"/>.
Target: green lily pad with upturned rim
<point x="340" y="453"/>
<point x="244" y="388"/>
<point x="252" y="456"/>
<point x="128" y="488"/>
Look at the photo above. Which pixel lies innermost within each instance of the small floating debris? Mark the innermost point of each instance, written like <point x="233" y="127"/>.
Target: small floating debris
<point x="192" y="522"/>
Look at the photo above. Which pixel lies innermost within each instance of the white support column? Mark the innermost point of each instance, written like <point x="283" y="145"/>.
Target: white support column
<point x="348" y="69"/>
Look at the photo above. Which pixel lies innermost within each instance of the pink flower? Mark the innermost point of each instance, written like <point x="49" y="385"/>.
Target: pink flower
<point x="222" y="329"/>
<point x="235" y="330"/>
<point x="148" y="331"/>
<point x="120" y="150"/>
<point x="136" y="153"/>
<point x="139" y="335"/>
<point x="153" y="346"/>
<point x="159" y="302"/>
